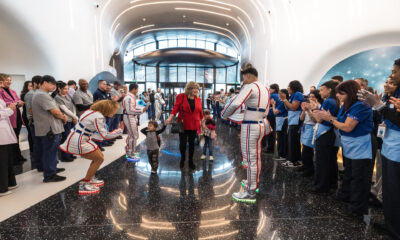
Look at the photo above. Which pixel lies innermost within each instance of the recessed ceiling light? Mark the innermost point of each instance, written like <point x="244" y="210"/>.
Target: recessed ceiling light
<point x="184" y="16"/>
<point x="227" y="24"/>
<point x="144" y="19"/>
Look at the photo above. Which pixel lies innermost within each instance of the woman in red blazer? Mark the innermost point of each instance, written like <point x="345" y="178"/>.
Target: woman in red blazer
<point x="189" y="107"/>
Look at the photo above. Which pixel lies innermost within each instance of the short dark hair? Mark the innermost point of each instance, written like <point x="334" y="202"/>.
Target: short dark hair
<point x="154" y="123"/>
<point x="207" y="112"/>
<point x="101" y="81"/>
<point x="37" y="79"/>
<point x="296" y="86"/>
<point x="332" y="84"/>
<point x="232" y="90"/>
<point x="210" y="121"/>
<point x="285" y="91"/>
<point x="338" y="77"/>
<point x="117" y="83"/>
<point x="49" y="79"/>
<point x="71" y="82"/>
<point x="349" y="87"/>
<point x="247" y="68"/>
<point x="133" y="86"/>
<point x="397" y="62"/>
<point x="275" y="87"/>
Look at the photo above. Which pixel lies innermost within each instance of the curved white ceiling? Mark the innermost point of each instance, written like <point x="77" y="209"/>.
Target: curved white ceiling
<point x="235" y="19"/>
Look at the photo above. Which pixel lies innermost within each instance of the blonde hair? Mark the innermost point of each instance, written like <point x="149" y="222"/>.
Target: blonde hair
<point x="106" y="107"/>
<point x="3" y="77"/>
<point x="190" y="86"/>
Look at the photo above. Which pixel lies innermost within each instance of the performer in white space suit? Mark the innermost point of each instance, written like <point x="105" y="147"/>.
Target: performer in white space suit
<point x="91" y="125"/>
<point x="131" y="111"/>
<point x="255" y="96"/>
<point x="159" y="102"/>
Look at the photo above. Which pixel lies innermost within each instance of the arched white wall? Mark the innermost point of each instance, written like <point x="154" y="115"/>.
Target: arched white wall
<point x="59" y="38"/>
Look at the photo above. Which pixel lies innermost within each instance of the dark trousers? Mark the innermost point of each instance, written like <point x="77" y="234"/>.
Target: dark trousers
<point x="271" y="137"/>
<point x="208" y="144"/>
<point x="18" y="156"/>
<point x="48" y="154"/>
<point x="391" y="195"/>
<point x="356" y="185"/>
<point x="151" y="112"/>
<point x="325" y="160"/>
<point x="37" y="150"/>
<point x="7" y="176"/>
<point x="30" y="138"/>
<point x="307" y="157"/>
<point x="294" y="143"/>
<point x="64" y="135"/>
<point x="184" y="138"/>
<point x="283" y="140"/>
<point x="152" y="155"/>
<point x="116" y="121"/>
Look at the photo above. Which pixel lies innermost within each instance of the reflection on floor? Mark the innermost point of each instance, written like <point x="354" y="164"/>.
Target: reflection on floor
<point x="135" y="204"/>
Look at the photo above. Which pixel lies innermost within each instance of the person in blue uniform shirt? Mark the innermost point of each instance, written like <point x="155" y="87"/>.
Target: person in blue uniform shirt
<point x="281" y="120"/>
<point x="390" y="153"/>
<point x="294" y="110"/>
<point x="101" y="94"/>
<point x="355" y="123"/>
<point x="269" y="141"/>
<point x="326" y="167"/>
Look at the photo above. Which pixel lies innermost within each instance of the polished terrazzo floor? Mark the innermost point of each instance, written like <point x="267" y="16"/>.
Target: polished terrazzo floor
<point x="135" y="204"/>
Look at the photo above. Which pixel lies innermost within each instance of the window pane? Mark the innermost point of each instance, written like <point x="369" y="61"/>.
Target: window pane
<point x="209" y="75"/>
<point x="182" y="43"/>
<point x="181" y="73"/>
<point x="128" y="71"/>
<point x="210" y="46"/>
<point x="221" y="49"/>
<point x="151" y="85"/>
<point x="138" y="51"/>
<point x="163" y="44"/>
<point x="151" y="74"/>
<point x="191" y="74"/>
<point x="232" y="52"/>
<point x="231" y="78"/>
<point x="139" y="72"/>
<point x="128" y="57"/>
<point x="200" y="75"/>
<point x="218" y="87"/>
<point x="191" y="43"/>
<point x="172" y="43"/>
<point x="200" y="44"/>
<point x="150" y="47"/>
<point x="221" y="75"/>
<point x="163" y="74"/>
<point x="172" y="74"/>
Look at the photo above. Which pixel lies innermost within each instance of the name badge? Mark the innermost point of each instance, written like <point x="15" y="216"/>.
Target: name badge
<point x="381" y="130"/>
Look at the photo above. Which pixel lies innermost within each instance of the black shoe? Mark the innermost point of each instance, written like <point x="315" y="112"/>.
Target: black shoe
<point x="119" y="137"/>
<point x="308" y="174"/>
<point x="55" y="178"/>
<point x="40" y="170"/>
<point x="341" y="199"/>
<point x="102" y="149"/>
<point x="192" y="166"/>
<point x="318" y="192"/>
<point x="60" y="170"/>
<point x="74" y="157"/>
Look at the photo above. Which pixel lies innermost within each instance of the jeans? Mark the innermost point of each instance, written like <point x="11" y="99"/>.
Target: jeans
<point x="37" y="150"/>
<point x="64" y="136"/>
<point x="116" y="121"/>
<point x="48" y="154"/>
<point x="151" y="112"/>
<point x="208" y="144"/>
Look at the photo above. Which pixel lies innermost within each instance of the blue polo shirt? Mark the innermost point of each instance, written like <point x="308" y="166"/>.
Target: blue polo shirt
<point x="329" y="105"/>
<point x="294" y="116"/>
<point x="100" y="95"/>
<point x="360" y="112"/>
<point x="280" y="106"/>
<point x="388" y="123"/>
<point x="276" y="98"/>
<point x="297" y="97"/>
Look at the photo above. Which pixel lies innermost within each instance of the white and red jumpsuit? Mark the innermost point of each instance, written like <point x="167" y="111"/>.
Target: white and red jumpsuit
<point x="91" y="125"/>
<point x="131" y="111"/>
<point x="255" y="96"/>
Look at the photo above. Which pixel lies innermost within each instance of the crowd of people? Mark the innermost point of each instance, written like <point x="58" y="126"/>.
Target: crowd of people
<point x="341" y="119"/>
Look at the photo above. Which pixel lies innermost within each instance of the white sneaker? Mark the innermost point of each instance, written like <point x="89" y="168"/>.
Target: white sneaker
<point x="203" y="157"/>
<point x="211" y="158"/>
<point x="97" y="182"/>
<point x="86" y="188"/>
<point x="13" y="187"/>
<point x="289" y="164"/>
<point x="246" y="197"/>
<point x="5" y="193"/>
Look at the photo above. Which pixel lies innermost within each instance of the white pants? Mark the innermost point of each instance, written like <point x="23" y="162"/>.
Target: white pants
<point x="131" y="124"/>
<point x="158" y="110"/>
<point x="250" y="143"/>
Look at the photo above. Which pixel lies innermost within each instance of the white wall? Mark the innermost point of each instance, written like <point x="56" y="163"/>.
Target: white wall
<point x="49" y="37"/>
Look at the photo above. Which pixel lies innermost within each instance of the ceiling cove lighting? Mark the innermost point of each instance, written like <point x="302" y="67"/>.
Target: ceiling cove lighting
<point x="260" y="13"/>
<point x="129" y="33"/>
<point x="189" y="28"/>
<point x="234" y="6"/>
<point x="218" y="14"/>
<point x="165" y="2"/>
<point x="101" y="31"/>
<point x="218" y="27"/>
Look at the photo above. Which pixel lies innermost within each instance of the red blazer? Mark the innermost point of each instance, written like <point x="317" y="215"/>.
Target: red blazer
<point x="191" y="120"/>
